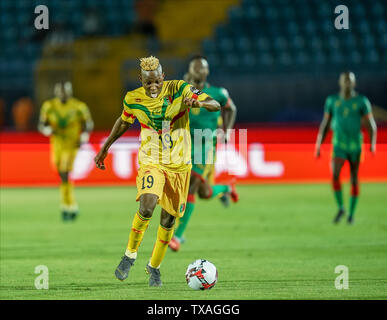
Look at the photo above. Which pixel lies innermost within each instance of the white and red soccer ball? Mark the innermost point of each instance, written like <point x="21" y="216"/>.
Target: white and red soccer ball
<point x="201" y="275"/>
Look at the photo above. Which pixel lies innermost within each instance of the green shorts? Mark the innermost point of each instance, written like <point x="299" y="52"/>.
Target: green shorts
<point x="352" y="156"/>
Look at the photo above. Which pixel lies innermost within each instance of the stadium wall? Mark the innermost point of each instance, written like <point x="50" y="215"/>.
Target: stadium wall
<point x="270" y="155"/>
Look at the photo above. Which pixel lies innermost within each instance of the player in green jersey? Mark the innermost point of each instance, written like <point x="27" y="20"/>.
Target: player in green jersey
<point x="344" y="113"/>
<point x="203" y="158"/>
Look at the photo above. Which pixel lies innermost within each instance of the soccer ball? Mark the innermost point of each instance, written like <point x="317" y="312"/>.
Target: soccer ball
<point x="201" y="275"/>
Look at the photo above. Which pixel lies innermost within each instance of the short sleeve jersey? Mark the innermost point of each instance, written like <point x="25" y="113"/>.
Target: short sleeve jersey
<point x="66" y="119"/>
<point x="165" y="133"/>
<point x="346" y="120"/>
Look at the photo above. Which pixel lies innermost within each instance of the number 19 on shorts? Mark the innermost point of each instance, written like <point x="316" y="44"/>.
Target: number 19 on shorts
<point x="148" y="182"/>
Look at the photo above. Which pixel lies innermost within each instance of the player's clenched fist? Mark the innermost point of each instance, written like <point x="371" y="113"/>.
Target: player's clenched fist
<point x="192" y="103"/>
<point x="99" y="159"/>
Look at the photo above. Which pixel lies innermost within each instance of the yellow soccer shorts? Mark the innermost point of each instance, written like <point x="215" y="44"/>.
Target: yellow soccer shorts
<point x="63" y="158"/>
<point x="171" y="187"/>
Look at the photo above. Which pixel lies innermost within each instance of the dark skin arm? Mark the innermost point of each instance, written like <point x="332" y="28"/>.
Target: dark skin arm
<point x="322" y="133"/>
<point x="371" y="128"/>
<point x="118" y="130"/>
<point x="209" y="104"/>
<point x="229" y="116"/>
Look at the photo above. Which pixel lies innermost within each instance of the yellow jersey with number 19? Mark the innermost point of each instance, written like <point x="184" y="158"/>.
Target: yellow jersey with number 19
<point x="165" y="133"/>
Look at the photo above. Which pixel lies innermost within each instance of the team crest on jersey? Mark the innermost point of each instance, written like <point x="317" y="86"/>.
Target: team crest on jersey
<point x="337" y="103"/>
<point x="196" y="91"/>
<point x="354" y="106"/>
<point x="168" y="100"/>
<point x="195" y="111"/>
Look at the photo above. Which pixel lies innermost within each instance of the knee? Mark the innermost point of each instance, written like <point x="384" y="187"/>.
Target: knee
<point x="354" y="179"/>
<point x="64" y="176"/>
<point x="147" y="205"/>
<point x="167" y="220"/>
<point x="193" y="185"/>
<point x="146" y="211"/>
<point x="336" y="176"/>
<point x="204" y="194"/>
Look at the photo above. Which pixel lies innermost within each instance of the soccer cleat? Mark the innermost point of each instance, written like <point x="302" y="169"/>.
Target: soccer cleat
<point x="174" y="244"/>
<point x="234" y="194"/>
<point x="123" y="268"/>
<point x="339" y="215"/>
<point x="65" y="216"/>
<point x="73" y="215"/>
<point x="350" y="220"/>
<point x="154" y="279"/>
<point x="225" y="199"/>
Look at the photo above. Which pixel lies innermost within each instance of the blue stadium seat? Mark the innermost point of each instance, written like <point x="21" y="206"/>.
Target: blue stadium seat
<point x="231" y="61"/>
<point x="261" y="44"/>
<point x="243" y="44"/>
<point x="209" y="46"/>
<point x="226" y="45"/>
<point x="248" y="60"/>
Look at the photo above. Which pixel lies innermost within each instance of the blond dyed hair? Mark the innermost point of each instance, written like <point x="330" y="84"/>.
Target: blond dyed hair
<point x="149" y="63"/>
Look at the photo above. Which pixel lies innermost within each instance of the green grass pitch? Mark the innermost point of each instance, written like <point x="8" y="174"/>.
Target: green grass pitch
<point x="278" y="242"/>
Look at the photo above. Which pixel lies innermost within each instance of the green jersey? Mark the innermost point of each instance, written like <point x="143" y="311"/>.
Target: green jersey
<point x="346" y="120"/>
<point x="200" y="118"/>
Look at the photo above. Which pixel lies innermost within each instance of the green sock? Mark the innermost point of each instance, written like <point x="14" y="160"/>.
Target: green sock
<point x="352" y="205"/>
<point x="219" y="188"/>
<point x="184" y="220"/>
<point x="339" y="199"/>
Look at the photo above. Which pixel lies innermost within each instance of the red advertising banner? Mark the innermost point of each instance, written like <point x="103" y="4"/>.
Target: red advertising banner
<point x="270" y="155"/>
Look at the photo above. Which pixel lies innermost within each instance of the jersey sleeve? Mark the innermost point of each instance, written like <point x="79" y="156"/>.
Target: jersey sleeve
<point x="224" y="98"/>
<point x="328" y="105"/>
<point x="189" y="91"/>
<point x="43" y="117"/>
<point x="85" y="112"/>
<point x="366" y="107"/>
<point x="127" y="113"/>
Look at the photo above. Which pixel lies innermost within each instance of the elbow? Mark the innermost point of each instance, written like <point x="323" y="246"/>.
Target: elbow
<point x="216" y="106"/>
<point x="89" y="126"/>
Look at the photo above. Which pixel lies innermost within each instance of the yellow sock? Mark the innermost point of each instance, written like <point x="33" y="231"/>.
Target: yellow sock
<point x="139" y="225"/>
<point x="67" y="194"/>
<point x="64" y="198"/>
<point x="164" y="235"/>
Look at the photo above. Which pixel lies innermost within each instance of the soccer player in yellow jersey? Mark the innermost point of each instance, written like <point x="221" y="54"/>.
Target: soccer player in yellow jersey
<point x="68" y="123"/>
<point x="162" y="109"/>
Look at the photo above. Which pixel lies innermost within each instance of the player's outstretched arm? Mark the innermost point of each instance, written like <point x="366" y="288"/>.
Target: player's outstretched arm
<point x="43" y="124"/>
<point x="371" y="127"/>
<point x="87" y="127"/>
<point x="209" y="104"/>
<point x="229" y="115"/>
<point x="118" y="130"/>
<point x="322" y="133"/>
